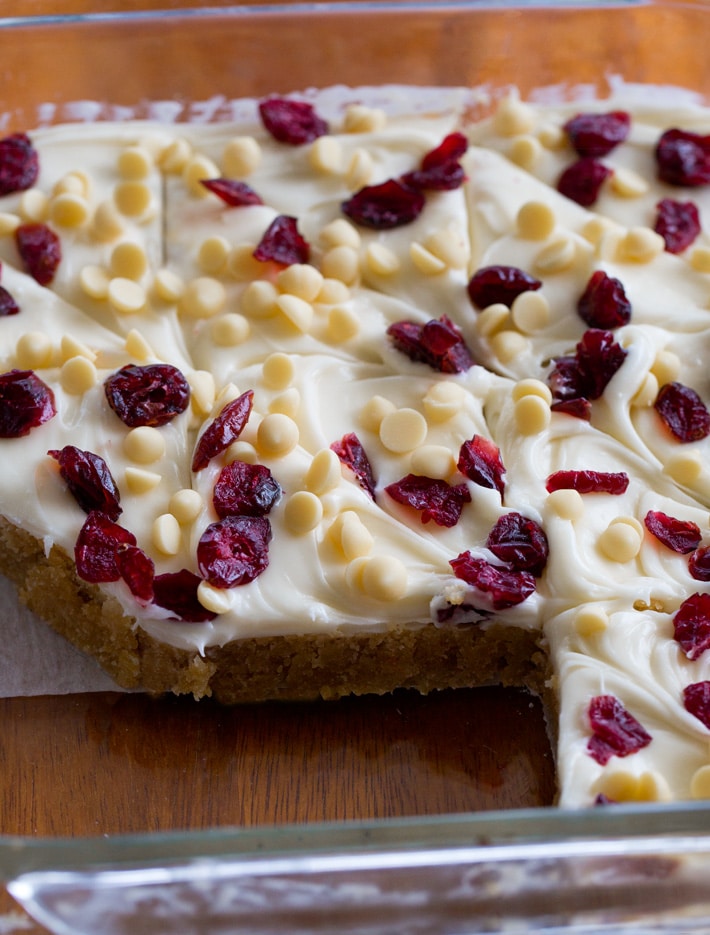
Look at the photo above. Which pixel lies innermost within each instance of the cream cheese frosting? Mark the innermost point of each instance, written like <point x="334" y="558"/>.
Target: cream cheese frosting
<point x="157" y="269"/>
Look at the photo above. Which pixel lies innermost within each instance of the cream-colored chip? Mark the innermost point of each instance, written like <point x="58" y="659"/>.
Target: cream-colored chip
<point x="567" y="504"/>
<point x="213" y="254"/>
<point x="628" y="184"/>
<point x="174" y="157"/>
<point x="381" y="260"/>
<point x="73" y="183"/>
<point x="288" y="403"/>
<point x="374" y="411"/>
<point x="216" y="600"/>
<point x="241" y="451"/>
<point x="133" y="199"/>
<point x="126" y="296"/>
<point x="204" y="297"/>
<point x="326" y="155"/>
<point x="647" y="392"/>
<point x="666" y="367"/>
<point x="535" y="220"/>
<point x="433" y="461"/>
<point x="332" y="292"/>
<point x="107" y="224"/>
<point x="449" y="245"/>
<point x="241" y="156"/>
<point x="525" y="151"/>
<point x="597" y="228"/>
<point x="166" y="534"/>
<point x="242" y="265"/>
<point x="324" y="472"/>
<point x="137" y="346"/>
<point x="202" y="391"/>
<point x="303" y="512"/>
<point x="186" y="505"/>
<point x="552" y="136"/>
<point x="353" y="573"/>
<point x="403" y="430"/>
<point x="8" y="223"/>
<point x="168" y="286"/>
<point x="128" y="260"/>
<point x="277" y="435"/>
<point x="507" y="345"/>
<point x="530" y="312"/>
<point x="34" y="205"/>
<point x="33" y="350"/>
<point x="699" y="259"/>
<point x="343" y="324"/>
<point x="384" y="578"/>
<point x="198" y="169"/>
<point x="531" y="387"/>
<point x="69" y="346"/>
<point x="69" y="210"/>
<point x="621" y="785"/>
<point x="135" y="163"/>
<point x="301" y="280"/>
<point x="359" y="118"/>
<point x="513" y="117"/>
<point x="144" y="444"/>
<point x="78" y="375"/>
<point x="641" y="245"/>
<point x="297" y="311"/>
<point x="343" y="263"/>
<point x="230" y="329"/>
<point x="356" y="540"/>
<point x="492" y="319"/>
<point x="259" y="299"/>
<point x="278" y="370"/>
<point x="556" y="256"/>
<point x="94" y="281"/>
<point x="359" y="170"/>
<point x="621" y="540"/>
<point x="590" y="620"/>
<point x="700" y="783"/>
<point x="340" y="233"/>
<point x="532" y="415"/>
<point x="443" y="401"/>
<point x="140" y="481"/>
<point x="425" y="261"/>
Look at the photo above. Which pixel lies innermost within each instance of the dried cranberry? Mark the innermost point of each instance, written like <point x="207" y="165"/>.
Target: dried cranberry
<point x="681" y="536"/>
<point x="585" y="376"/>
<point x="351" y="453"/>
<point x="604" y="304"/>
<point x="234" y="193"/>
<point x="8" y="305"/>
<point x="234" y="550"/>
<point x="25" y="402"/>
<point x="699" y="564"/>
<point x="614" y="483"/>
<point x="683" y="158"/>
<point x="40" y="251"/>
<point x="438" y="343"/>
<point x="597" y="134"/>
<point x="615" y="732"/>
<point x="137" y="570"/>
<point x="97" y="545"/>
<point x="480" y="461"/>
<point x="282" y="243"/>
<point x="19" y="164"/>
<point x="223" y="430"/>
<point x="385" y="206"/>
<point x="696" y="699"/>
<point x="293" y="122"/>
<point x="245" y="490"/>
<point x="683" y="412"/>
<point x="89" y="480"/>
<point x="579" y="408"/>
<point x="500" y="284"/>
<point x="435" y="499"/>
<point x="177" y="592"/>
<point x="678" y="222"/>
<point x="691" y="625"/>
<point x="504" y="586"/>
<point x="520" y="542"/>
<point x="147" y="395"/>
<point x="582" y="181"/>
<point x="440" y="169"/>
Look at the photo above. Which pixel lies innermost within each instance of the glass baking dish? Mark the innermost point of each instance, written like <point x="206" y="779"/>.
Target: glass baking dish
<point x="621" y="869"/>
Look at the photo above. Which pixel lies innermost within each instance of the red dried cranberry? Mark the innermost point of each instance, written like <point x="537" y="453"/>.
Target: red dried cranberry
<point x="8" y="305"/>
<point x="293" y="122"/>
<point x="97" y="544"/>
<point x="500" y="284"/>
<point x="223" y="430"/>
<point x="520" y="542"/>
<point x="351" y="453"/>
<point x="438" y="343"/>
<point x="691" y="625"/>
<point x="678" y="222"/>
<point x="683" y="158"/>
<point x="234" y="193"/>
<point x="615" y="732"/>
<point x="582" y="181"/>
<point x="282" y="243"/>
<point x="579" y="408"/>
<point x="683" y="412"/>
<point x="89" y="480"/>
<point x="696" y="699"/>
<point x="604" y="304"/>
<point x="245" y="490"/>
<point x="699" y="564"/>
<point x="597" y="134"/>
<point x="385" y="206"/>
<point x="681" y="536"/>
<point x="25" y="402"/>
<point x="19" y="164"/>
<point x="137" y="570"/>
<point x="480" y="461"/>
<point x="434" y="499"/>
<point x="440" y="169"/>
<point x="614" y="483"/>
<point x="504" y="586"/>
<point x="234" y="550"/>
<point x="585" y="376"/>
<point x="40" y="251"/>
<point x="152" y="394"/>
<point x="177" y="592"/>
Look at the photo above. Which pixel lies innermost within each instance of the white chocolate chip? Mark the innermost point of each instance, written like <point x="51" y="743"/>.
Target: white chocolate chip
<point x="384" y="578"/>
<point x="303" y="512"/>
<point x="433" y="461"/>
<point x="186" y="505"/>
<point x="443" y="401"/>
<point x="567" y="504"/>
<point x="340" y="233"/>
<point x="530" y="312"/>
<point x="168" y="286"/>
<point x="341" y="262"/>
<point x="700" y="783"/>
<point x="33" y="350"/>
<point x="229" y="330"/>
<point x="297" y="311"/>
<point x="278" y="370"/>
<point x="326" y="155"/>
<point x="556" y="257"/>
<point x="69" y="210"/>
<point x="94" y="281"/>
<point x="627" y="184"/>
<point x="203" y="297"/>
<point x="531" y="387"/>
<point x="198" y="169"/>
<point x="343" y="324"/>
<point x="288" y="403"/>
<point x="403" y="430"/>
<point x="202" y="391"/>
<point x="425" y="261"/>
<point x="128" y="260"/>
<point x="492" y="319"/>
<point x="8" y="223"/>
<point x="259" y="299"/>
<point x="324" y="472"/>
<point x="135" y="163"/>
<point x="590" y="620"/>
<point x="355" y="540"/>
<point x="332" y="292"/>
<point x="242" y="265"/>
<point x="133" y="199"/>
<point x="126" y="296"/>
<point x="70" y="346"/>
<point x="666" y="367"/>
<point x="277" y="435"/>
<point x="647" y="392"/>
<point x="641" y="245"/>
<point x="301" y="280"/>
<point x="139" y="481"/>
<point x="241" y="451"/>
<point x="513" y="117"/>
<point x="73" y="183"/>
<point x="213" y="254"/>
<point x="525" y="151"/>
<point x="107" y="225"/>
<point x="359" y="170"/>
<point x="374" y="411"/>
<point x="241" y="157"/>
<point x="173" y="159"/>
<point x="449" y="246"/>
<point x="216" y="600"/>
<point x="684" y="467"/>
<point x="532" y="415"/>
<point x="380" y="260"/>
<point x="536" y="220"/>
<point x="359" y="118"/>
<point x="507" y="345"/>
<point x="137" y="346"/>
<point x="144" y="444"/>
<point x="166" y="534"/>
<point x="621" y="540"/>
<point x="78" y="375"/>
<point x="34" y="205"/>
<point x="699" y="259"/>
